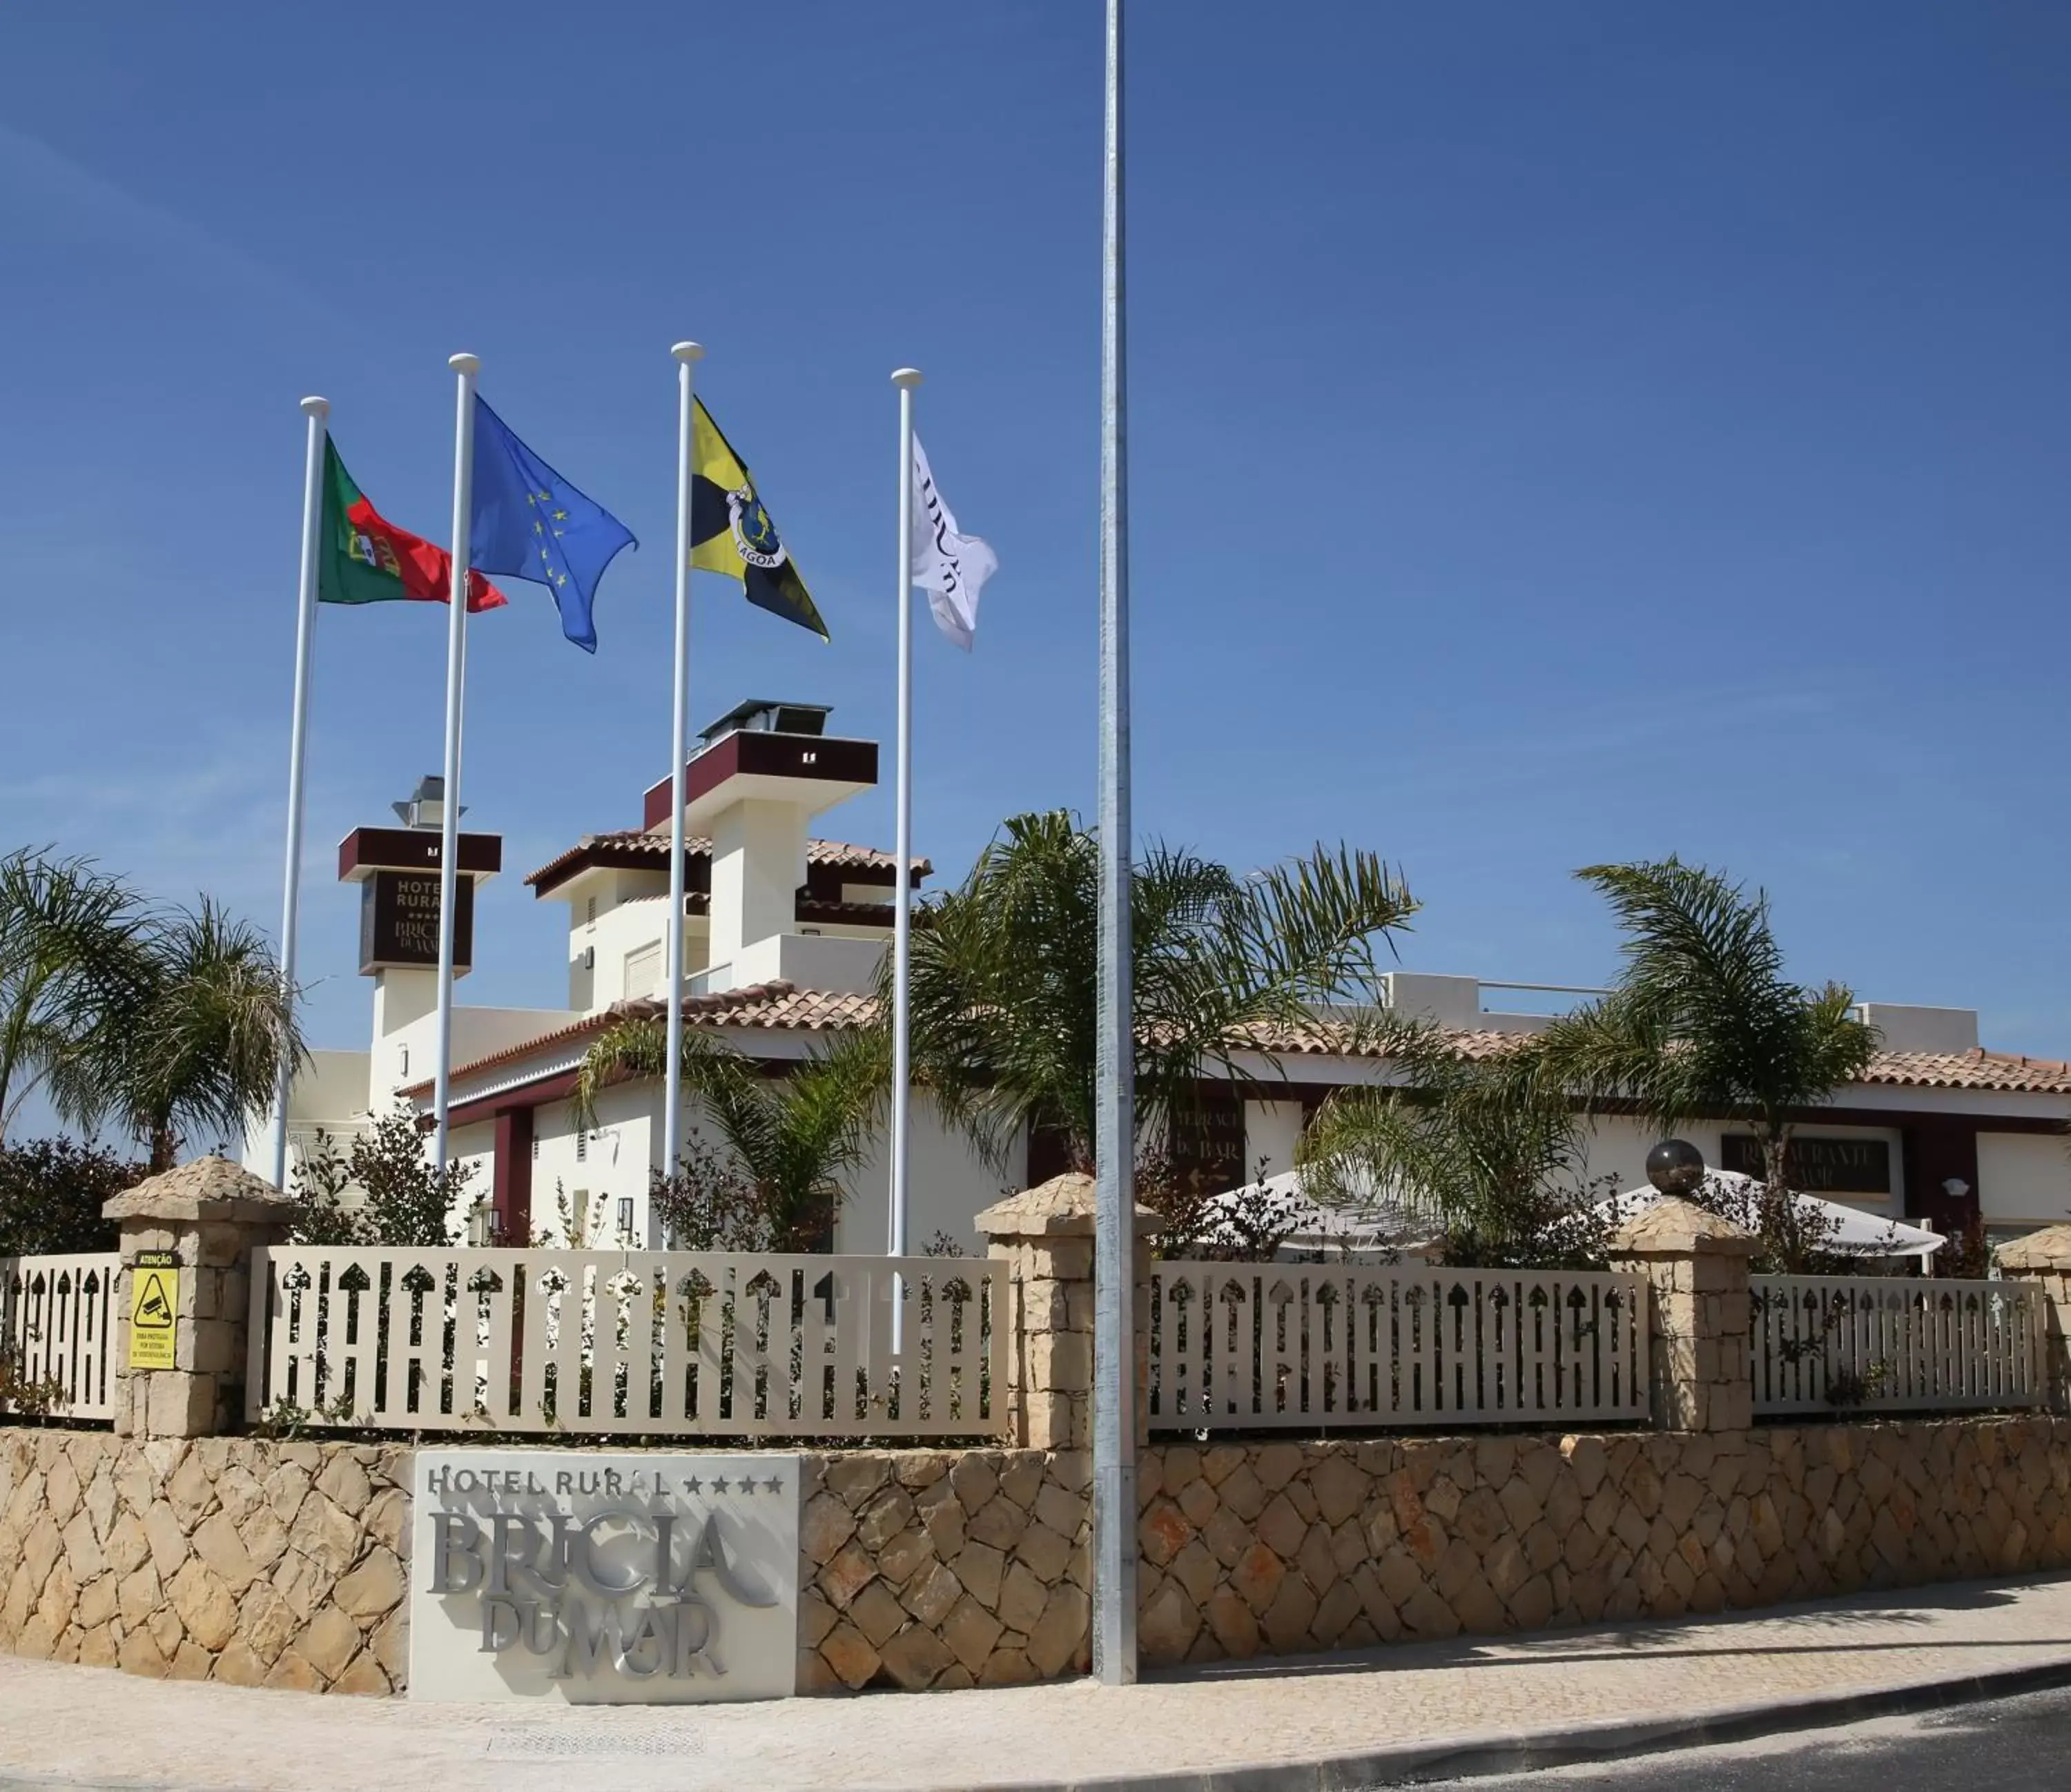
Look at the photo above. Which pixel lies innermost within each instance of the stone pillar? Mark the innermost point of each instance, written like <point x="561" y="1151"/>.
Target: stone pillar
<point x="1046" y="1236"/>
<point x="2043" y="1259"/>
<point x="208" y="1217"/>
<point x="1699" y="1346"/>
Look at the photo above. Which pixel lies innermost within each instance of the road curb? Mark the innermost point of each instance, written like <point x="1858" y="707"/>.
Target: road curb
<point x="1476" y="1757"/>
<point x="1462" y="1756"/>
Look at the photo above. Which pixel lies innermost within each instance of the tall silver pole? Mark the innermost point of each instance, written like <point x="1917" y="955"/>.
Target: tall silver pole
<point x="905" y="379"/>
<point x="465" y="367"/>
<point x="1114" y="1141"/>
<point x="317" y="410"/>
<point x="687" y="355"/>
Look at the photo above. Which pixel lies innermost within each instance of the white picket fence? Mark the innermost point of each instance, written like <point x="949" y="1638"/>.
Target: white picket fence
<point x="57" y="1324"/>
<point x="1824" y="1342"/>
<point x="1249" y="1346"/>
<point x="628" y="1342"/>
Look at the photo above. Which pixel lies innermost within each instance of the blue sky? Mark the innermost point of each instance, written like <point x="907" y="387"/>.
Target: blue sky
<point x="1561" y="432"/>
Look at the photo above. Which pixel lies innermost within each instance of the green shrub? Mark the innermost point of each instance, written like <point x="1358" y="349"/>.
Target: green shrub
<point x="51" y="1193"/>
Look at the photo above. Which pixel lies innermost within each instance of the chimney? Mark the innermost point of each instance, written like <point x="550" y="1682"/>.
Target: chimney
<point x="1903" y="1027"/>
<point x="764" y="771"/>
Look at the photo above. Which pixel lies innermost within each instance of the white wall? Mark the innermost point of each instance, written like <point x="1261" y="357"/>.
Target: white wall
<point x="402" y="999"/>
<point x="475" y="1148"/>
<point x="1272" y="1129"/>
<point x="329" y="1095"/>
<point x="609" y="1164"/>
<point x="406" y="1027"/>
<point x="1902" y="1027"/>
<point x="810" y="961"/>
<point x="947" y="1183"/>
<point x="758" y="862"/>
<point x="632" y="926"/>
<point x="331" y="1086"/>
<point x="2024" y="1179"/>
<point x="410" y="1056"/>
<point x="631" y="912"/>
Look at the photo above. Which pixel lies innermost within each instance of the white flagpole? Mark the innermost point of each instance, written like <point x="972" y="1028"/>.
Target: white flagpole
<point x="905" y="379"/>
<point x="465" y="367"/>
<point x="317" y="411"/>
<point x="1114" y="1515"/>
<point x="687" y="355"/>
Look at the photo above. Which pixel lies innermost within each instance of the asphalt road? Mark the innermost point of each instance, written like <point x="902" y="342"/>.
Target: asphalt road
<point x="2007" y="1745"/>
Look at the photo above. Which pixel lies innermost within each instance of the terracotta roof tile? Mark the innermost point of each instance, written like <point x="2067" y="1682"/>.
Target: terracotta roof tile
<point x="774" y="1006"/>
<point x="780" y="1006"/>
<point x="1330" y="1038"/>
<point x="654" y="843"/>
<point x="1974" y="1069"/>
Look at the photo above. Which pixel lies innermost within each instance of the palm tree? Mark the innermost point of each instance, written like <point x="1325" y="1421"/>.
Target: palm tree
<point x="1493" y="1156"/>
<point x="1704" y="1020"/>
<point x="63" y="926"/>
<point x="793" y="1135"/>
<point x="189" y="1036"/>
<point x="1004" y="990"/>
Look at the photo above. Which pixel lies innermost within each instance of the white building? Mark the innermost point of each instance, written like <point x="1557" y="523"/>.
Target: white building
<point x="783" y="932"/>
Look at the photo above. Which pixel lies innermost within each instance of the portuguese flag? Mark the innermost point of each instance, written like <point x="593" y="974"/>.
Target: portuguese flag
<point x="363" y="558"/>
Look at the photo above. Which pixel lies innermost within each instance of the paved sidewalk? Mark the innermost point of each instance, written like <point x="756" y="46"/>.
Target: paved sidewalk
<point x="1339" y="1721"/>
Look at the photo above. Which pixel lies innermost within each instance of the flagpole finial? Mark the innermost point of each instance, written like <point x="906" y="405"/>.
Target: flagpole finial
<point x="465" y="363"/>
<point x="316" y="407"/>
<point x="906" y="378"/>
<point x="687" y="351"/>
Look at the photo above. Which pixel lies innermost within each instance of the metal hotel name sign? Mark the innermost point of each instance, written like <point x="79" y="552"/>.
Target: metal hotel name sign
<point x="600" y="1579"/>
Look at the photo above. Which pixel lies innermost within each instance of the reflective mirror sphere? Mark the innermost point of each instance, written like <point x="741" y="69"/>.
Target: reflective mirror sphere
<point x="1675" y="1167"/>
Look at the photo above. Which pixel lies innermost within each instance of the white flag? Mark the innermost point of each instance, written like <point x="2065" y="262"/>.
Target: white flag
<point x="951" y="567"/>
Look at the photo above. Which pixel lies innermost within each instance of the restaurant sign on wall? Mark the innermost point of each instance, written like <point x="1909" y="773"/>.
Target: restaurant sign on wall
<point x="1817" y="1165"/>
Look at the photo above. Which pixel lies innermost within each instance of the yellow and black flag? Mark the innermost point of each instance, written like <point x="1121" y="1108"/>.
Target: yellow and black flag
<point x="731" y="533"/>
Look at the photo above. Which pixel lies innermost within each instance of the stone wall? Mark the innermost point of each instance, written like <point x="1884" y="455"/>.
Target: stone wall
<point x="285" y="1564"/>
<point x="265" y="1563"/>
<point x="174" y="1553"/>
<point x="943" y="1568"/>
<point x="242" y="1560"/>
<point x="1280" y="1549"/>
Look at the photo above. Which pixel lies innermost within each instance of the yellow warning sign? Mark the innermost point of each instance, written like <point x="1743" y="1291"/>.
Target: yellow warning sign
<point x="154" y="1300"/>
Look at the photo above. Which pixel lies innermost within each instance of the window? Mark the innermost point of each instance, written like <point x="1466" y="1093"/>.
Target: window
<point x="625" y="1218"/>
<point x="582" y="1147"/>
<point x="406" y="1060"/>
<point x="643" y="971"/>
<point x="589" y="912"/>
<point x="535" y="1150"/>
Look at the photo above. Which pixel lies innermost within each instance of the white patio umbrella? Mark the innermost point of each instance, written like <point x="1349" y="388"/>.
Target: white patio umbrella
<point x="1377" y="1221"/>
<point x="1865" y="1234"/>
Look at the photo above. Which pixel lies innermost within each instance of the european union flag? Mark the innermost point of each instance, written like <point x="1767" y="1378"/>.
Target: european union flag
<point x="529" y="523"/>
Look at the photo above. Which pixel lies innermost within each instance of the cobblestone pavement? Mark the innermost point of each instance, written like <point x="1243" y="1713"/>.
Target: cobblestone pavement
<point x="92" y="1727"/>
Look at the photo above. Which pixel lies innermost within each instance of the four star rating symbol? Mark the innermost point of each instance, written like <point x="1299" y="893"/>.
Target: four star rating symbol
<point x="746" y="1483"/>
